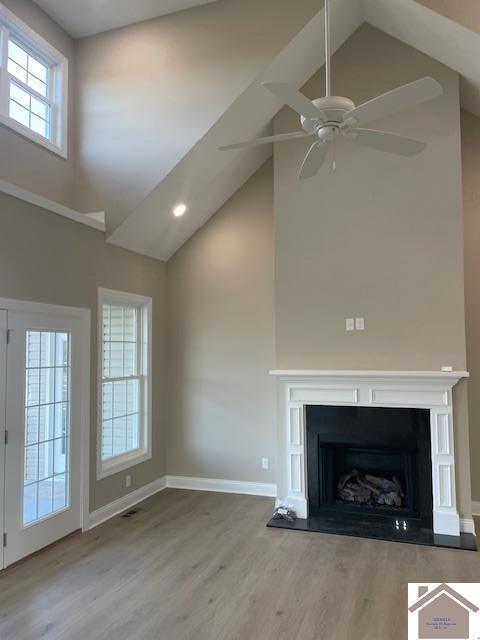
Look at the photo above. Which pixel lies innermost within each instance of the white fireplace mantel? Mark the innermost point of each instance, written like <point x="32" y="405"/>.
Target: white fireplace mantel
<point x="430" y="390"/>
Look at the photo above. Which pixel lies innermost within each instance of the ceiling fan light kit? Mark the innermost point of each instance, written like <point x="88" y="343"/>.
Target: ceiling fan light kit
<point x="326" y="118"/>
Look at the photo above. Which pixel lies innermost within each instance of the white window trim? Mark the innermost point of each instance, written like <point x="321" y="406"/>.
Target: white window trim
<point x="126" y="461"/>
<point x="58" y="63"/>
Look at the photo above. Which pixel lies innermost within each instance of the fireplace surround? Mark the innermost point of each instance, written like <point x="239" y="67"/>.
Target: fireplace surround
<point x="321" y="404"/>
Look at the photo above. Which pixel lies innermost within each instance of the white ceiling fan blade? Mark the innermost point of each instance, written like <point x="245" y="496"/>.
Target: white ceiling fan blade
<point x="294" y="99"/>
<point x="388" y="142"/>
<point x="314" y="160"/>
<point x="397" y="100"/>
<point x="282" y="137"/>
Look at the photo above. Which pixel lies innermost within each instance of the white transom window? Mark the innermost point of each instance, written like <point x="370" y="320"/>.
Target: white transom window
<point x="33" y="85"/>
<point x="124" y="381"/>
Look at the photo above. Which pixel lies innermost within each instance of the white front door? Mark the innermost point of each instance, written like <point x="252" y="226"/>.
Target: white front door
<point x="43" y="454"/>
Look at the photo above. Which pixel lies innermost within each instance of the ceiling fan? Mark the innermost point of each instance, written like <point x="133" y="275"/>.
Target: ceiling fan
<point x="326" y="118"/>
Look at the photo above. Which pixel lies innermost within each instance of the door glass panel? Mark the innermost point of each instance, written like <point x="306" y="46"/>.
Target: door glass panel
<point x="47" y="425"/>
<point x="30" y="503"/>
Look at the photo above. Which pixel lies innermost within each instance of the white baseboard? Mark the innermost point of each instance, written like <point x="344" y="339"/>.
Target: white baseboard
<point x="222" y="486"/>
<point x="111" y="510"/>
<point x="467" y="525"/>
<point x="125" y="502"/>
<point x="178" y="482"/>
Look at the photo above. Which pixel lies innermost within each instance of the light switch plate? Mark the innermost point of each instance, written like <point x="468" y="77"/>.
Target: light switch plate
<point x="265" y="463"/>
<point x="350" y="324"/>
<point x="360" y="324"/>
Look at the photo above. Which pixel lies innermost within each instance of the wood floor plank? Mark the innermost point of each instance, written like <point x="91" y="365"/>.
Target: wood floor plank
<point x="203" y="566"/>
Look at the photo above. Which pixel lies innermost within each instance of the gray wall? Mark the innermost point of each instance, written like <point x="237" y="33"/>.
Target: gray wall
<point x="471" y="209"/>
<point x="381" y="237"/>
<point x="47" y="258"/>
<point x="25" y="163"/>
<point x="220" y="305"/>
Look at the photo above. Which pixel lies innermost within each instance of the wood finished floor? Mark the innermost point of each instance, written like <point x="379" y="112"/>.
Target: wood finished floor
<point x="203" y="566"/>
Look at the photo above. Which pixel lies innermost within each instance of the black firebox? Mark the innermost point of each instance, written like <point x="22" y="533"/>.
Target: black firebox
<point x="369" y="464"/>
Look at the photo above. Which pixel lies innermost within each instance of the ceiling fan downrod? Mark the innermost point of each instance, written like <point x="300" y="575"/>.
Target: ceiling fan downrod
<point x="328" y="70"/>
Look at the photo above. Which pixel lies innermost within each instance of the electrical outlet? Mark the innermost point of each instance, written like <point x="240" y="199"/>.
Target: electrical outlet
<point x="360" y="324"/>
<point x="350" y="324"/>
<point x="265" y="463"/>
<point x="128" y="481"/>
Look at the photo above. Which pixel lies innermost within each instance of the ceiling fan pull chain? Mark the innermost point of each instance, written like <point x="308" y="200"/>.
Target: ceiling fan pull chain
<point x="334" y="162"/>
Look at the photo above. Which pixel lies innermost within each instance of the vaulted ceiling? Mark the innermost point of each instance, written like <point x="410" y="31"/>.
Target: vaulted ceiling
<point x="181" y="163"/>
<point x="465" y="12"/>
<point x="436" y="35"/>
<point x="82" y="18"/>
<point x="205" y="178"/>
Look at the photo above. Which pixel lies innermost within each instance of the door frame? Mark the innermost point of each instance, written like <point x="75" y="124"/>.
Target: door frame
<point x="3" y="418"/>
<point x="10" y="304"/>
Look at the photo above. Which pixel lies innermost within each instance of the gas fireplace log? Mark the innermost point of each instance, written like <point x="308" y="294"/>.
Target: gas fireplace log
<point x="383" y="484"/>
<point x="375" y="489"/>
<point x="398" y="486"/>
<point x="347" y="477"/>
<point x="391" y="499"/>
<point x="374" y="480"/>
<point x="355" y="493"/>
<point x="369" y="489"/>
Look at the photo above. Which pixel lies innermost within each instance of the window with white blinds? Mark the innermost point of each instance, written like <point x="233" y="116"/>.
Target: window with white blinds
<point x="125" y="345"/>
<point x="33" y="84"/>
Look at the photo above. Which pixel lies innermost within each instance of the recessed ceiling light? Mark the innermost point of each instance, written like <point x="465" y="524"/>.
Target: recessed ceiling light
<point x="179" y="210"/>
